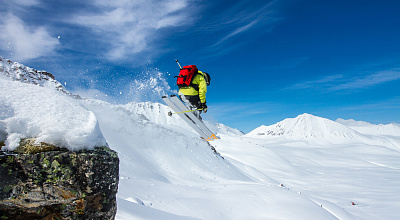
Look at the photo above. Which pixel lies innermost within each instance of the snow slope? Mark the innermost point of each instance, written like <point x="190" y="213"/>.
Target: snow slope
<point x="316" y="130"/>
<point x="302" y="168"/>
<point x="168" y="168"/>
<point x="392" y="129"/>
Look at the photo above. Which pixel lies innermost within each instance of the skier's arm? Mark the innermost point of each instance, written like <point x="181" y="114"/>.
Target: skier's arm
<point x="202" y="89"/>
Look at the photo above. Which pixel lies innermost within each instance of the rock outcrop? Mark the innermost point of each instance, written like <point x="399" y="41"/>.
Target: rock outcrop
<point x="58" y="184"/>
<point x="18" y="72"/>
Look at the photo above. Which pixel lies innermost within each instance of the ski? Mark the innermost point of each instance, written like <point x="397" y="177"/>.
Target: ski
<point x="187" y="115"/>
<point x="196" y="120"/>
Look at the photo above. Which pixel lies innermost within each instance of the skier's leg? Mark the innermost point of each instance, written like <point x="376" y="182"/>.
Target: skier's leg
<point x="194" y="103"/>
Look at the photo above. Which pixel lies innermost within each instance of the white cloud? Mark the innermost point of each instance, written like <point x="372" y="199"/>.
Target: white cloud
<point x="341" y="83"/>
<point x="237" y="19"/>
<point x="392" y="103"/>
<point x="169" y="21"/>
<point x="237" y="31"/>
<point x="24" y="42"/>
<point x="130" y="27"/>
<point x="317" y="83"/>
<point x="19" y="3"/>
<point x="27" y="2"/>
<point x="369" y="80"/>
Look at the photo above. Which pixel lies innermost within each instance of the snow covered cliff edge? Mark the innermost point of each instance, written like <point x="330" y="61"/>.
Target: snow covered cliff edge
<point x="55" y="163"/>
<point x="35" y="105"/>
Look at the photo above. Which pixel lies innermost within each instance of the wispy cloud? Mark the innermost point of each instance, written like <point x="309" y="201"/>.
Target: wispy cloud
<point x="116" y="30"/>
<point x="130" y="27"/>
<point x="25" y="42"/>
<point x="323" y="82"/>
<point x="237" y="19"/>
<point x="367" y="81"/>
<point x="125" y="30"/>
<point x="18" y="3"/>
<point x="237" y="31"/>
<point x="392" y="103"/>
<point x="342" y="83"/>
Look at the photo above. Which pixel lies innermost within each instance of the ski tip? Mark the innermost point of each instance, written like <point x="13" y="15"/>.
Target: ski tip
<point x="164" y="96"/>
<point x="212" y="137"/>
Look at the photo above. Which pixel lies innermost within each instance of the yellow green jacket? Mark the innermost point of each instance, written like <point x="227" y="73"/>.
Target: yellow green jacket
<point x="190" y="91"/>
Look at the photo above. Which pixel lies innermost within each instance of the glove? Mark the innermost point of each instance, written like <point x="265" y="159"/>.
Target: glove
<point x="204" y="107"/>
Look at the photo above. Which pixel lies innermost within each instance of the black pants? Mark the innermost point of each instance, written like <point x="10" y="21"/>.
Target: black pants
<point x="195" y="104"/>
<point x="194" y="100"/>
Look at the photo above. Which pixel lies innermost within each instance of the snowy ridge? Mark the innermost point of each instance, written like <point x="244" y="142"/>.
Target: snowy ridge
<point x="18" y="72"/>
<point x="391" y="129"/>
<point x="319" y="130"/>
<point x="154" y="112"/>
<point x="219" y="128"/>
<point x="307" y="127"/>
<point x="158" y="113"/>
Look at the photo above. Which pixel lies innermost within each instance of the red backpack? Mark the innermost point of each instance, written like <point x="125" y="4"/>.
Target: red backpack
<point x="186" y="75"/>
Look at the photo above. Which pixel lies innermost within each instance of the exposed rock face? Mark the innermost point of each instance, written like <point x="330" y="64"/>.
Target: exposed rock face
<point x="18" y="72"/>
<point x="59" y="184"/>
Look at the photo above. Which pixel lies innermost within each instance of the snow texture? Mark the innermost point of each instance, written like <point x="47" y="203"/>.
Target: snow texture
<point x="32" y="106"/>
<point x="306" y="167"/>
<point x="18" y="72"/>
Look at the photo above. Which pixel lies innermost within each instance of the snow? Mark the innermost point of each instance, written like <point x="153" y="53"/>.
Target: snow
<point x="14" y="71"/>
<point x="306" y="167"/>
<point x="316" y="130"/>
<point x="31" y="111"/>
<point x="392" y="129"/>
<point x="307" y="126"/>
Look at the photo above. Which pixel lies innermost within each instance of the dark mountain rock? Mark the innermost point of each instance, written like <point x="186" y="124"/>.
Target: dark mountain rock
<point x="18" y="72"/>
<point x="54" y="183"/>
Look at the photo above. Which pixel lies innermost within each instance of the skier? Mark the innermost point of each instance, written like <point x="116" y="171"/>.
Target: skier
<point x="192" y="85"/>
<point x="195" y="95"/>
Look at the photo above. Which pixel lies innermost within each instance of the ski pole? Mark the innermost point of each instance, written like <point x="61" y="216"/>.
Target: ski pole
<point x="178" y="64"/>
<point x="170" y="113"/>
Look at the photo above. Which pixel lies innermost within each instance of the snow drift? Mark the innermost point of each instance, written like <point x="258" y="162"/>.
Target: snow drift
<point x="32" y="106"/>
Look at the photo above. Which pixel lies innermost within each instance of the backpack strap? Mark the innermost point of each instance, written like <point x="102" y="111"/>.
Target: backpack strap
<point x="195" y="86"/>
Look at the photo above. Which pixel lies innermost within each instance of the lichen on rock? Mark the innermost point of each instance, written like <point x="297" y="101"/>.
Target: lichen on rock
<point x="31" y="146"/>
<point x="55" y="183"/>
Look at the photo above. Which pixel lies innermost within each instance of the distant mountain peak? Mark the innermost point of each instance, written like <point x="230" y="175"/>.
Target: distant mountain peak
<point x="18" y="72"/>
<point x="306" y="126"/>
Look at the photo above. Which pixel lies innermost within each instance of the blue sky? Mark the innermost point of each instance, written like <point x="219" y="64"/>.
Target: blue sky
<point x="269" y="60"/>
